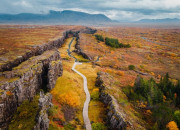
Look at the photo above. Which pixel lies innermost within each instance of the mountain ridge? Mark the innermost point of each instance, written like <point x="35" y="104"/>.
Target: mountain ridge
<point x="165" y="20"/>
<point x="66" y="16"/>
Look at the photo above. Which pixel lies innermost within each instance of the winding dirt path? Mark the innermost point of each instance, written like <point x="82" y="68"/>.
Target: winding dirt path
<point x="86" y="103"/>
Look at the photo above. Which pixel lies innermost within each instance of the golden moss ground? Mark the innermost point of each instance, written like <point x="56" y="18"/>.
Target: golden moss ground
<point x="71" y="82"/>
<point x="96" y="108"/>
<point x="69" y="90"/>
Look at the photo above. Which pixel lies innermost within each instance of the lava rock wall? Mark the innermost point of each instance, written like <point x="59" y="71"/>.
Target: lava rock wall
<point x="115" y="119"/>
<point x="26" y="80"/>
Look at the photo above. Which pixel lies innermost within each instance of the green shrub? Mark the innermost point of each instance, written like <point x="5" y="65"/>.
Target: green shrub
<point x="149" y="90"/>
<point x="69" y="127"/>
<point x="177" y="117"/>
<point x="162" y="114"/>
<point x="161" y="98"/>
<point x="98" y="126"/>
<point x="95" y="95"/>
<point x="24" y="117"/>
<point x="52" y="111"/>
<point x="131" y="67"/>
<point x="132" y="95"/>
<point x="115" y="43"/>
<point x="127" y="90"/>
<point x="99" y="37"/>
<point x="51" y="127"/>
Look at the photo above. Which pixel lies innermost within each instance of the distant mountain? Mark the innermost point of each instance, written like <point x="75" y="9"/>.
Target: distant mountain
<point x="166" y="20"/>
<point x="56" y="17"/>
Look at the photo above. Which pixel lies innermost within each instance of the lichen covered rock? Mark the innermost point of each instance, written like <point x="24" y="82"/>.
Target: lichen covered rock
<point x="42" y="117"/>
<point x="115" y="118"/>
<point x="26" y="80"/>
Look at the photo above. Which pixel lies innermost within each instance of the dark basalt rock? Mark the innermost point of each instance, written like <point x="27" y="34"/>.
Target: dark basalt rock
<point x="88" y="30"/>
<point x="42" y="121"/>
<point x="79" y="50"/>
<point x="26" y="80"/>
<point x="115" y="120"/>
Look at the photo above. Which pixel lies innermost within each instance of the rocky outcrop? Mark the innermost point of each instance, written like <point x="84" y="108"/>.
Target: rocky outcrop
<point x="88" y="30"/>
<point x="26" y="80"/>
<point x="79" y="50"/>
<point x="115" y="118"/>
<point x="75" y="33"/>
<point x="34" y="51"/>
<point x="42" y="121"/>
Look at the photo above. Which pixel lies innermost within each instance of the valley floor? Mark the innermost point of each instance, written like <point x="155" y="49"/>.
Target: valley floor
<point x="70" y="85"/>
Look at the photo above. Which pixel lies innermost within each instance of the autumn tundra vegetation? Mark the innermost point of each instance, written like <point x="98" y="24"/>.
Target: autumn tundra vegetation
<point x="139" y="68"/>
<point x="147" y="72"/>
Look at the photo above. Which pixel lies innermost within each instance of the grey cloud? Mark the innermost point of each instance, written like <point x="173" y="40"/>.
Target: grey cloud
<point x="115" y="9"/>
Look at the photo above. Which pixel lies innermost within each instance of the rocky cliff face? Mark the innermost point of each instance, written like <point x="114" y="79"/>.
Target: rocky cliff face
<point x="26" y="80"/>
<point x="88" y="30"/>
<point x="114" y="117"/>
<point x="42" y="121"/>
<point x="79" y="50"/>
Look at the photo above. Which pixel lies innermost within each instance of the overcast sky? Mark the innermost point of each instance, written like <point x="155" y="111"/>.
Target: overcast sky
<point x="115" y="9"/>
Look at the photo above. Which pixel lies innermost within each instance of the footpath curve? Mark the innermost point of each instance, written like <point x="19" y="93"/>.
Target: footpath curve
<point x="86" y="103"/>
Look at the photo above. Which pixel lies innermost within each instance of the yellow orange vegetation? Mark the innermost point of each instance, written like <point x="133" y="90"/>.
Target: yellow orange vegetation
<point x="120" y="73"/>
<point x="148" y="54"/>
<point x="148" y="112"/>
<point x="152" y="73"/>
<point x="69" y="88"/>
<point x="171" y="54"/>
<point x="9" y="93"/>
<point x="175" y="95"/>
<point x="70" y="98"/>
<point x="164" y="98"/>
<point x="96" y="108"/>
<point x="108" y="70"/>
<point x="142" y="104"/>
<point x="172" y="126"/>
<point x="159" y="76"/>
<point x="95" y="89"/>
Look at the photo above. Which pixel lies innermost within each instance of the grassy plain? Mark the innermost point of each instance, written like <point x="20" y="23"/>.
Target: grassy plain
<point x="147" y="57"/>
<point x="16" y="40"/>
<point x="150" y="55"/>
<point x="153" y="52"/>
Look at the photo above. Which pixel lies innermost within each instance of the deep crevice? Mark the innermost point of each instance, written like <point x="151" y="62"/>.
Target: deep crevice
<point x="44" y="76"/>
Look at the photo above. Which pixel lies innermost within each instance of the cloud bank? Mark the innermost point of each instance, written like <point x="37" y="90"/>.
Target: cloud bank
<point x="122" y="10"/>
